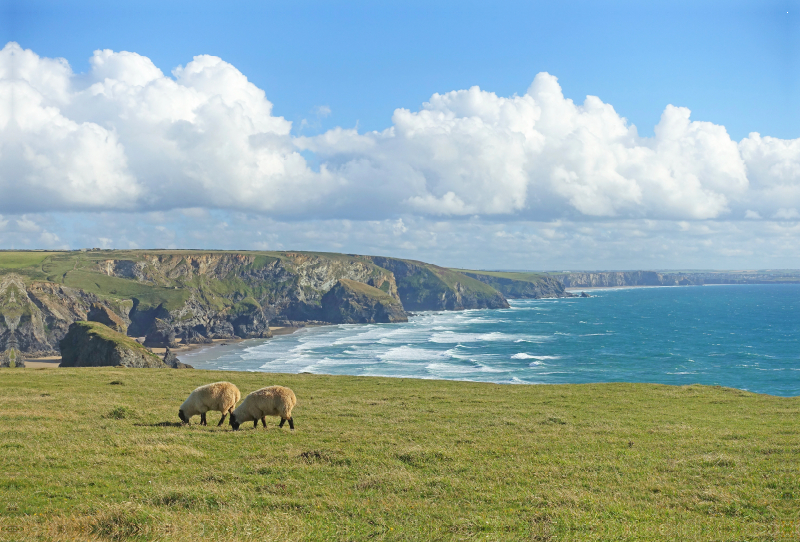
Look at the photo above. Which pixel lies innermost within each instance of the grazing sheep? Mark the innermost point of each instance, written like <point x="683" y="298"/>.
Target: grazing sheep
<point x="270" y="401"/>
<point x="221" y="396"/>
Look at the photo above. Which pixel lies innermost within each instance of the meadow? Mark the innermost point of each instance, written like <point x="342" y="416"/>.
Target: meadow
<point x="99" y="454"/>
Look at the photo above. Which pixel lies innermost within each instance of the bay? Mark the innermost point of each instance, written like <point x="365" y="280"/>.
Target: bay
<point x="740" y="336"/>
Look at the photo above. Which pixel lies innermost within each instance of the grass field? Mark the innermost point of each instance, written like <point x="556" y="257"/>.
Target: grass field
<point x="513" y="275"/>
<point x="98" y="453"/>
<point x="21" y="260"/>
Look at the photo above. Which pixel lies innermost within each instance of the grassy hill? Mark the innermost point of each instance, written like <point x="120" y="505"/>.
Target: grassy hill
<point x="99" y="452"/>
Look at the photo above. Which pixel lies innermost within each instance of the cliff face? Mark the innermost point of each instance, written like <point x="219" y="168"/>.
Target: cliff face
<point x="91" y="344"/>
<point x="194" y="297"/>
<point x="424" y="286"/>
<point x="34" y="317"/>
<point x="516" y="288"/>
<point x="610" y="279"/>
<point x="351" y="302"/>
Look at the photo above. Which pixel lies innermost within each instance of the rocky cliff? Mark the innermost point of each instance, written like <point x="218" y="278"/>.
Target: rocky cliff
<point x="351" y="302"/>
<point x="91" y="344"/>
<point x="521" y="285"/>
<point x="36" y="315"/>
<point x="194" y="297"/>
<point x="422" y="286"/>
<point x="610" y="279"/>
<point x="654" y="278"/>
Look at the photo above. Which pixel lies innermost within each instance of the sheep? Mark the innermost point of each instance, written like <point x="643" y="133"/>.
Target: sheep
<point x="269" y="401"/>
<point x="221" y="396"/>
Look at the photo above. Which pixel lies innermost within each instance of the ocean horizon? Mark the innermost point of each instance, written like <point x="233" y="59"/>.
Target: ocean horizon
<point x="739" y="336"/>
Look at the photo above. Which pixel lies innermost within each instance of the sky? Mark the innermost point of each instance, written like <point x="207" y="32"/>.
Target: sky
<point x="502" y="135"/>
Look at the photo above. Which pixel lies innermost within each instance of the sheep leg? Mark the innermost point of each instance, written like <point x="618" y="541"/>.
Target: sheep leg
<point x="255" y="423"/>
<point x="291" y="424"/>
<point x="222" y="419"/>
<point x="283" y="421"/>
<point x="203" y="419"/>
<point x="264" y="421"/>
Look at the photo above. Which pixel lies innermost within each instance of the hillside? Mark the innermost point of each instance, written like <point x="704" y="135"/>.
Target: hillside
<point x="516" y="285"/>
<point x="99" y="454"/>
<point x="196" y="296"/>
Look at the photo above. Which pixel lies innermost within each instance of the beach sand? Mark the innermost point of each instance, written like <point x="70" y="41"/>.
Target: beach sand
<point x="50" y="362"/>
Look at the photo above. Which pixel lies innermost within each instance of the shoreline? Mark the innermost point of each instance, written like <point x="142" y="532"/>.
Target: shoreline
<point x="52" y="362"/>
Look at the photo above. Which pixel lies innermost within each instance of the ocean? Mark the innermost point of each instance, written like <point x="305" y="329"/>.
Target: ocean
<point x="739" y="336"/>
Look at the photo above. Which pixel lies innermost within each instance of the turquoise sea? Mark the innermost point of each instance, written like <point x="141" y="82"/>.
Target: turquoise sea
<point x="742" y="336"/>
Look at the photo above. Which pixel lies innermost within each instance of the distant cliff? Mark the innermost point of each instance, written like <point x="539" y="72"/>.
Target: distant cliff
<point x="653" y="278"/>
<point x="610" y="279"/>
<point x="196" y="296"/>
<point x="521" y="285"/>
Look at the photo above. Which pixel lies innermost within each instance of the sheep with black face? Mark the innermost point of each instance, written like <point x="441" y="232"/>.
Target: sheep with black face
<point x="269" y="401"/>
<point x="220" y="396"/>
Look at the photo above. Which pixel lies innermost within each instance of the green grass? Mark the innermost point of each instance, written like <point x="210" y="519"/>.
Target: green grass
<point x="369" y="291"/>
<point x="513" y="275"/>
<point x="20" y="260"/>
<point x="119" y="288"/>
<point x="98" y="452"/>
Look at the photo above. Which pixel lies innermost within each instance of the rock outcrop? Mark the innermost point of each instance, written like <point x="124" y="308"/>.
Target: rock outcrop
<point x="172" y="361"/>
<point x="11" y="358"/>
<point x="92" y="344"/>
<point x="102" y="314"/>
<point x="36" y="315"/>
<point x="351" y="302"/>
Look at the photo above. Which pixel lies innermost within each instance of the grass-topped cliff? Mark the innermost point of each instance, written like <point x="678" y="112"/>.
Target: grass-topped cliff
<point x="194" y="296"/>
<point x="99" y="454"/>
<point x="516" y="285"/>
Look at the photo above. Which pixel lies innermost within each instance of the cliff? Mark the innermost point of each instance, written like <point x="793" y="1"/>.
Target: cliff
<point x="610" y="279"/>
<point x="194" y="297"/>
<point x="675" y="278"/>
<point x="520" y="285"/>
<point x="351" y="302"/>
<point x="424" y="286"/>
<point x="35" y="316"/>
<point x="92" y="344"/>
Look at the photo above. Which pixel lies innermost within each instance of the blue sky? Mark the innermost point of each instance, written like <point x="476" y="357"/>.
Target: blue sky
<point x="389" y="149"/>
<point x="735" y="63"/>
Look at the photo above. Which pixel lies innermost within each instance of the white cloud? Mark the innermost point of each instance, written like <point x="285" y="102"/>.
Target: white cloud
<point x="514" y="244"/>
<point x="471" y="152"/>
<point x="786" y="214"/>
<point x="125" y="136"/>
<point x="322" y="111"/>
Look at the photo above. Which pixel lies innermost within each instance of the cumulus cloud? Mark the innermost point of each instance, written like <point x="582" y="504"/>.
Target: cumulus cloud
<point x="125" y="136"/>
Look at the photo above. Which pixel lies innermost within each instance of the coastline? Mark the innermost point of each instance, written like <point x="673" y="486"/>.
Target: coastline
<point x="52" y="362"/>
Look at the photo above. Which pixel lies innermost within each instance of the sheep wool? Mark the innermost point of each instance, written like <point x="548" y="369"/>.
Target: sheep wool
<point x="269" y="401"/>
<point x="219" y="396"/>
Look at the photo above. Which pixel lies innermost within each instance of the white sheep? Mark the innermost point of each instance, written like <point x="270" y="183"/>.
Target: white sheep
<point x="220" y="396"/>
<point x="270" y="401"/>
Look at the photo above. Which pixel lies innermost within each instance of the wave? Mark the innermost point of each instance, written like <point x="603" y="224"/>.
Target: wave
<point x="523" y="355"/>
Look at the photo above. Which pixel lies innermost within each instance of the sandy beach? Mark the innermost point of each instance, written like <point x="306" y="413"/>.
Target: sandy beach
<point x="50" y="362"/>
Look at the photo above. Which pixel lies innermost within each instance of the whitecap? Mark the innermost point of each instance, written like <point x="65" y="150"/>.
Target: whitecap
<point x="523" y="355"/>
